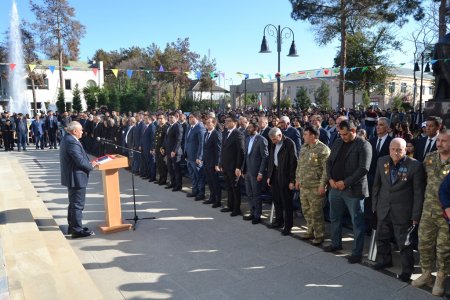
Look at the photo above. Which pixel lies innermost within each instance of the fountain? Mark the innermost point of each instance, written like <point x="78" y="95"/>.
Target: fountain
<point x="18" y="102"/>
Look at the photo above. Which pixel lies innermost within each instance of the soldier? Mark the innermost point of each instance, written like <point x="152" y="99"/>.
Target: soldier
<point x="160" y="154"/>
<point x="434" y="238"/>
<point x="311" y="179"/>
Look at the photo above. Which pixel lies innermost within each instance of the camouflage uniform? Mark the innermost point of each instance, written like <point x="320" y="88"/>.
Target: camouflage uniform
<point x="311" y="173"/>
<point x="160" y="159"/>
<point x="434" y="239"/>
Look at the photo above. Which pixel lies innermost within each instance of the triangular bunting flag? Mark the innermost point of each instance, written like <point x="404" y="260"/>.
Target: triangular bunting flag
<point x="318" y="72"/>
<point x="326" y="71"/>
<point x="246" y="76"/>
<point x="67" y="68"/>
<point x="336" y="70"/>
<point x="212" y="75"/>
<point x="353" y="69"/>
<point x="129" y="73"/>
<point x="345" y="71"/>
<point x="364" y="69"/>
<point x="161" y="69"/>
<point x="187" y="73"/>
<point x="51" y="68"/>
<point x="148" y="71"/>
<point x="12" y="67"/>
<point x="115" y="72"/>
<point x="31" y="67"/>
<point x="95" y="70"/>
<point x="433" y="61"/>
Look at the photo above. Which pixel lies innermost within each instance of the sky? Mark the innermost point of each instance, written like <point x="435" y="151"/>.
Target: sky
<point x="229" y="31"/>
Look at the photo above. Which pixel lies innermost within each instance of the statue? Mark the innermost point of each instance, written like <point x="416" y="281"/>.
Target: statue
<point x="441" y="69"/>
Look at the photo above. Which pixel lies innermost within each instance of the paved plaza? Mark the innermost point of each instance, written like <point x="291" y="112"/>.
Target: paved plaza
<point x="192" y="251"/>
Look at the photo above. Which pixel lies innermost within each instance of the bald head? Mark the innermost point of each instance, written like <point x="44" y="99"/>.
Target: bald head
<point x="397" y="149"/>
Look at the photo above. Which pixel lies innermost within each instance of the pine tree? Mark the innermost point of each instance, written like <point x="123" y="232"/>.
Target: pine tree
<point x="322" y="96"/>
<point x="76" y="100"/>
<point x="61" y="103"/>
<point x="303" y="99"/>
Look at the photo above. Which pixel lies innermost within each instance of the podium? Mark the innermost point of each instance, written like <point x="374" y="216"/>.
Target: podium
<point x="113" y="212"/>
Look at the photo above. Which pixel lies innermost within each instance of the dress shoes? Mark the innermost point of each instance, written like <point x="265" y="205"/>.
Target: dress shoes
<point x="275" y="225"/>
<point x="286" y="232"/>
<point x="353" y="259"/>
<point x="405" y="277"/>
<point x="157" y="182"/>
<point x="207" y="202"/>
<point x="331" y="248"/>
<point x="70" y="230"/>
<point x="225" y="209"/>
<point x="247" y="218"/>
<point x="162" y="183"/>
<point x="145" y="177"/>
<point x="235" y="213"/>
<point x="256" y="221"/>
<point x="200" y="197"/>
<point x="170" y="186"/>
<point x="191" y="195"/>
<point x="82" y="234"/>
<point x="176" y="189"/>
<point x="216" y="205"/>
<point x="152" y="179"/>
<point x="380" y="266"/>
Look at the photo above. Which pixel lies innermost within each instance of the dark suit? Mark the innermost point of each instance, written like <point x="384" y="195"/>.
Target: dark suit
<point x="211" y="155"/>
<point x="51" y="126"/>
<point x="357" y="163"/>
<point x="255" y="163"/>
<point x="384" y="150"/>
<point x="324" y="136"/>
<point x="137" y="135"/>
<point x="75" y="167"/>
<point x="22" y="133"/>
<point x="148" y="162"/>
<point x="396" y="204"/>
<point x="280" y="178"/>
<point x="193" y="149"/>
<point x="420" y="148"/>
<point x="232" y="156"/>
<point x="129" y="142"/>
<point x="37" y="129"/>
<point x="294" y="135"/>
<point x="172" y="143"/>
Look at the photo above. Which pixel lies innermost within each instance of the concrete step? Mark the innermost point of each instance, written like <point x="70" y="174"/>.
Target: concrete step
<point x="39" y="261"/>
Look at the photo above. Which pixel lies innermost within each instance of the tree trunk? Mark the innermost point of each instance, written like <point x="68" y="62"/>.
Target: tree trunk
<point x="354" y="97"/>
<point x="33" y="91"/>
<point x="442" y="23"/>
<point x="60" y="59"/>
<point x="343" y="54"/>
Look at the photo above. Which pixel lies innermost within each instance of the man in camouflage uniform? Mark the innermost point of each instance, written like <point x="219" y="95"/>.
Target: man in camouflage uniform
<point x="161" y="165"/>
<point x="311" y="179"/>
<point x="434" y="238"/>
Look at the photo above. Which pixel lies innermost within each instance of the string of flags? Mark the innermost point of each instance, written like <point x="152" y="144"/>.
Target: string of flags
<point x="308" y="74"/>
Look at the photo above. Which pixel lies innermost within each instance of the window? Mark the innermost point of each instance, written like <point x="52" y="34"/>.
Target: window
<point x="392" y="87"/>
<point x="431" y="90"/>
<point x="38" y="84"/>
<point x="403" y="88"/>
<point x="67" y="84"/>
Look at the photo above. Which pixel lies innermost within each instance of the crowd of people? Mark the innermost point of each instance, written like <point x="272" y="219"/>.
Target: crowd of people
<point x="387" y="169"/>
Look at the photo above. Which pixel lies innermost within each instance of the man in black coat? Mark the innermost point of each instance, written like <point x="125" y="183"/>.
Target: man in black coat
<point x="231" y="159"/>
<point x="75" y="167"/>
<point x="281" y="177"/>
<point x="347" y="168"/>
<point x="51" y="126"/>
<point x="173" y="150"/>
<point x="380" y="147"/>
<point x="427" y="144"/>
<point x="211" y="155"/>
<point x="324" y="137"/>
<point x="291" y="133"/>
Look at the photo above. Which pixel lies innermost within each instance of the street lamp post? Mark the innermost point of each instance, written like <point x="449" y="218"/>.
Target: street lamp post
<point x="277" y="32"/>
<point x="427" y="69"/>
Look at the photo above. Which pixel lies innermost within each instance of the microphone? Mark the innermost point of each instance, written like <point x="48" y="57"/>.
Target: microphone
<point x="104" y="140"/>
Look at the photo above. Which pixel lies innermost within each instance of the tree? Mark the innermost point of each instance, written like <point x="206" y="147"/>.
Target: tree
<point x="333" y="18"/>
<point x="76" y="100"/>
<point x="303" y="100"/>
<point x="90" y="95"/>
<point x="365" y="101"/>
<point x="59" y="32"/>
<point x="322" y="96"/>
<point x="61" y="103"/>
<point x="207" y="68"/>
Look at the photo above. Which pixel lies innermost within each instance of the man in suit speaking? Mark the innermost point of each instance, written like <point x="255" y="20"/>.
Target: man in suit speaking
<point x="75" y="167"/>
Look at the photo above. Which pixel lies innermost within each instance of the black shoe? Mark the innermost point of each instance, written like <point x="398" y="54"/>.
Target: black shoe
<point x="207" y="202"/>
<point x="191" y="195"/>
<point x="70" y="230"/>
<point x="225" y="209"/>
<point x="200" y="197"/>
<point x="234" y="214"/>
<point x="216" y="205"/>
<point x="56" y="147"/>
<point x="247" y="218"/>
<point x="286" y="232"/>
<point x="176" y="189"/>
<point x="170" y="186"/>
<point x="331" y="248"/>
<point x="405" y="277"/>
<point x="353" y="259"/>
<point x="81" y="234"/>
<point x="157" y="182"/>
<point x="380" y="266"/>
<point x="256" y="221"/>
<point x="275" y="225"/>
<point x="162" y="183"/>
<point x="151" y="180"/>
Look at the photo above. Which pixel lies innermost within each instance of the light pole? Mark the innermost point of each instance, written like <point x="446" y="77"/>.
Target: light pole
<point x="277" y="32"/>
<point x="427" y="69"/>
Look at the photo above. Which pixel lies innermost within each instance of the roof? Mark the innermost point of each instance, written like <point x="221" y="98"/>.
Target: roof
<point x="195" y="87"/>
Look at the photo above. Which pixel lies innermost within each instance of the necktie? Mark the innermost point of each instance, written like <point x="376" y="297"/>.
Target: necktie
<point x="379" y="146"/>
<point x="207" y="136"/>
<point x="430" y="142"/>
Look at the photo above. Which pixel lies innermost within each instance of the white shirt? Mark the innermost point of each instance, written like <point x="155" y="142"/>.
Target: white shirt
<point x="383" y="139"/>
<point x="250" y="143"/>
<point x="433" y="141"/>
<point x="126" y="136"/>
<point x="275" y="154"/>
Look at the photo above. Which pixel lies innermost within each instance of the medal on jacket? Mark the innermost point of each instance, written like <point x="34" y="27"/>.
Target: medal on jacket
<point x="386" y="168"/>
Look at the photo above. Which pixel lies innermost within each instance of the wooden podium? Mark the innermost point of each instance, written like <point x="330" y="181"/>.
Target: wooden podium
<point x="113" y="212"/>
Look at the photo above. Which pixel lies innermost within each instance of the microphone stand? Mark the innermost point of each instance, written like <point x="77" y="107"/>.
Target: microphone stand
<point x="136" y="217"/>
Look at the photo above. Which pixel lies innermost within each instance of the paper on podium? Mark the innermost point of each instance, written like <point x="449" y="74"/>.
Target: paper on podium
<point x="103" y="159"/>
